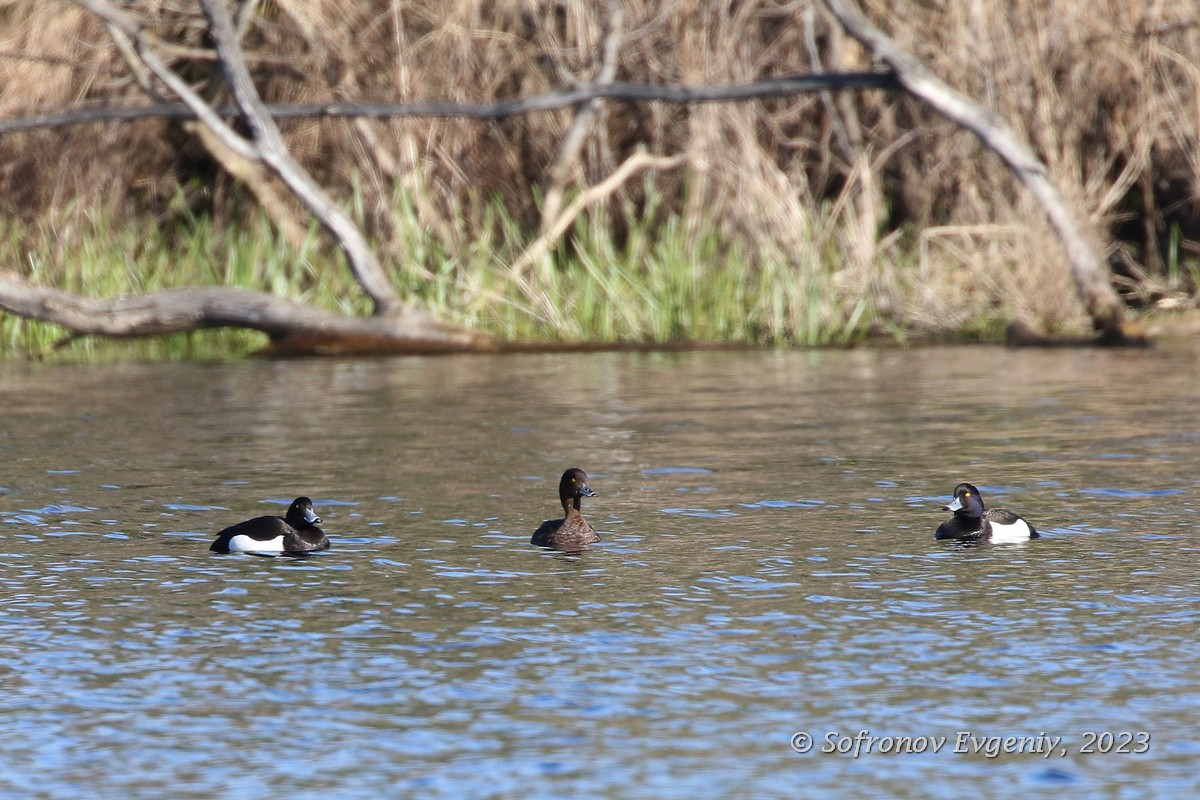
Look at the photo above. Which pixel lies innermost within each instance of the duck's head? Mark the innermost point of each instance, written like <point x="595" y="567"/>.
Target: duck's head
<point x="300" y="512"/>
<point x="967" y="501"/>
<point x="574" y="485"/>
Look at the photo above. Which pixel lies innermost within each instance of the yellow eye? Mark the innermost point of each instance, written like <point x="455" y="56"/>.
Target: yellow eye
<point x="966" y="494"/>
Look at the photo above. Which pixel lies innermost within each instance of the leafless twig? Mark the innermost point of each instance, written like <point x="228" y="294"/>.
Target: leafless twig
<point x="569" y="148"/>
<point x="618" y="92"/>
<point x="639" y="161"/>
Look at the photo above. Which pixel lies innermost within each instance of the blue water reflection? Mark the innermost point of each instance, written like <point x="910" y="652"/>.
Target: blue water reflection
<point x="767" y="568"/>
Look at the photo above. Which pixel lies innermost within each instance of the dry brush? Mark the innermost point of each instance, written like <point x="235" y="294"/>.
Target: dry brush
<point x="1105" y="93"/>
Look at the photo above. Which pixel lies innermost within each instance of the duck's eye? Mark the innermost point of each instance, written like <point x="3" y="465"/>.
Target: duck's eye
<point x="966" y="494"/>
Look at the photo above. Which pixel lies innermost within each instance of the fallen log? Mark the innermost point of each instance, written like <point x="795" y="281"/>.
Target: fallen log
<point x="294" y="328"/>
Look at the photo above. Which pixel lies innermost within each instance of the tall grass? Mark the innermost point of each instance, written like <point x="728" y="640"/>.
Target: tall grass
<point x="98" y="257"/>
<point x="662" y="282"/>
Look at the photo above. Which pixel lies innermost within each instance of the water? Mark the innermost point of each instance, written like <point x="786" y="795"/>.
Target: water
<point x="768" y="568"/>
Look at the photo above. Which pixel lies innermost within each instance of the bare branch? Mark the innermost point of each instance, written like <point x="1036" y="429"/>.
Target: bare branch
<point x="639" y="161"/>
<point x="621" y="92"/>
<point x="1092" y="277"/>
<point x="284" y="215"/>
<point x="124" y="27"/>
<point x="364" y="264"/>
<point x="268" y="146"/>
<point x="292" y="326"/>
<point x="569" y="148"/>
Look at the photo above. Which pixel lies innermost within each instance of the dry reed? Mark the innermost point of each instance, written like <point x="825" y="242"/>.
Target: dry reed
<point x="1105" y="91"/>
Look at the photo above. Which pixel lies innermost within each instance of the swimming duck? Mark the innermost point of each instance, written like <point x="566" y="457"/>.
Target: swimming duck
<point x="971" y="522"/>
<point x="572" y="532"/>
<point x="295" y="532"/>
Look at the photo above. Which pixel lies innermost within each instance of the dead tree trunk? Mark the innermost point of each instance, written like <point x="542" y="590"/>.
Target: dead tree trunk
<point x="1092" y="278"/>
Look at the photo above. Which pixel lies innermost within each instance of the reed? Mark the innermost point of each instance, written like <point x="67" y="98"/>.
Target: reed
<point x="662" y="282"/>
<point x="818" y="219"/>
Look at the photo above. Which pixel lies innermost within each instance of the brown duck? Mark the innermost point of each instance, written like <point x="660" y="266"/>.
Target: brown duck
<point x="572" y="532"/>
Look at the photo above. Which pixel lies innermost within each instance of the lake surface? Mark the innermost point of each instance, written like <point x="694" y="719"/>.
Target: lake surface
<point x="768" y="569"/>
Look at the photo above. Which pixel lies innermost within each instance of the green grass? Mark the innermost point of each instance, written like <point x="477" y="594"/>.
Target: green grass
<point x="668" y="282"/>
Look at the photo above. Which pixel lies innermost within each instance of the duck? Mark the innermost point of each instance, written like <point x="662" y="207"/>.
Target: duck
<point x="572" y="532"/>
<point x="971" y="522"/>
<point x="295" y="532"/>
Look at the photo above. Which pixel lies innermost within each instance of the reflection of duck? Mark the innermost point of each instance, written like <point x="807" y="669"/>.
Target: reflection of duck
<point x="572" y="532"/>
<point x="971" y="522"/>
<point x="297" y="532"/>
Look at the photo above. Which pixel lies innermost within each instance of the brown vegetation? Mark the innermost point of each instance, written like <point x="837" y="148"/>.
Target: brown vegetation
<point x="1105" y="93"/>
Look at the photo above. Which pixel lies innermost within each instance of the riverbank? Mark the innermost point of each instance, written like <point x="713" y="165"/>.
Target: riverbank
<point x="796" y="221"/>
<point x="655" y="285"/>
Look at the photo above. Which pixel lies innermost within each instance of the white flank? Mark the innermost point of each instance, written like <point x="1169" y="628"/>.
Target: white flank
<point x="1012" y="532"/>
<point x="248" y="544"/>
